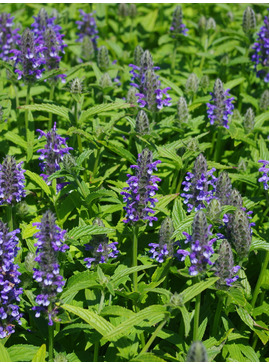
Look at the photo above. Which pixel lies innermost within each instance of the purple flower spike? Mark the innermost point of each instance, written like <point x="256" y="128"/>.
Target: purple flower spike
<point x="9" y="281"/>
<point x="177" y="26"/>
<point x="87" y="27"/>
<point x="53" y="152"/>
<point x="139" y="196"/>
<point x="201" y="245"/>
<point x="9" y="36"/>
<point x="12" y="182"/>
<point x="265" y="170"/>
<point x="197" y="184"/>
<point x="220" y="106"/>
<point x="261" y="55"/>
<point x="50" y="242"/>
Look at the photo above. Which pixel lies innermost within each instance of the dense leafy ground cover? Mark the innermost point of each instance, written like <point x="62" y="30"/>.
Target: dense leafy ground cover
<point x="137" y="271"/>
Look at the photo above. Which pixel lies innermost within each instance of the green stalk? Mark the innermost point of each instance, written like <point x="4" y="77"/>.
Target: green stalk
<point x="174" y="57"/>
<point x="27" y="111"/>
<point x="218" y="145"/>
<point x="97" y="344"/>
<point x="76" y="121"/>
<point x="9" y="217"/>
<point x="196" y="315"/>
<point x="135" y="246"/>
<point x="51" y="337"/>
<point x="217" y="316"/>
<point x="52" y="88"/>
<point x="96" y="163"/>
<point x="259" y="282"/>
<point x="154" y="335"/>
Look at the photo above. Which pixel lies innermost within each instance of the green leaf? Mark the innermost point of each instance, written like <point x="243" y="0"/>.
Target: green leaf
<point x="164" y="201"/>
<point x="116" y="311"/>
<point x="186" y="319"/>
<point x="86" y="114"/>
<point x="245" y="317"/>
<point x="183" y="226"/>
<point x="149" y="20"/>
<point x="233" y="83"/>
<point x="191" y="292"/>
<point x="16" y="139"/>
<point x="76" y="283"/>
<point x="237" y="296"/>
<point x="171" y="84"/>
<point x="100" y="324"/>
<point x="259" y="244"/>
<point x="121" y="274"/>
<point x="260" y="119"/>
<point x="39" y="181"/>
<point x="249" y="352"/>
<point x="80" y="231"/>
<point x="4" y="355"/>
<point x="99" y="194"/>
<point x="147" y="357"/>
<point x="120" y="151"/>
<point x="40" y="356"/>
<point x="22" y="352"/>
<point x="50" y="108"/>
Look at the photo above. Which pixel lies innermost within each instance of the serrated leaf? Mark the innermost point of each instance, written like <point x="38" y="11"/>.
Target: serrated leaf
<point x="147" y="357"/>
<point x="40" y="356"/>
<point x="76" y="283"/>
<point x="4" y="355"/>
<point x="171" y="84"/>
<point x="120" y="151"/>
<point x="249" y="352"/>
<point x="191" y="292"/>
<point x="183" y="226"/>
<point x="186" y="319"/>
<point x="233" y="83"/>
<point x="86" y="114"/>
<point x="99" y="194"/>
<point x="39" y="181"/>
<point x="259" y="244"/>
<point x="50" y="108"/>
<point x="80" y="231"/>
<point x="22" y="352"/>
<point x="16" y="139"/>
<point x="84" y="155"/>
<point x="237" y="296"/>
<point x="260" y="119"/>
<point x="120" y="274"/>
<point x="116" y="311"/>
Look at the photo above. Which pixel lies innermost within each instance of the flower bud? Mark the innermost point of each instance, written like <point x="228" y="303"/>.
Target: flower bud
<point x="105" y="81"/>
<point x="132" y="11"/>
<point x="192" y="144"/>
<point x="202" y="23"/>
<point x="230" y="16"/>
<point x="165" y="248"/>
<point x="177" y="26"/>
<point x="102" y="58"/>
<point x="249" y="120"/>
<point x="123" y="10"/>
<point x="249" y="20"/>
<point x="223" y="188"/>
<point x="131" y="97"/>
<point x="236" y="115"/>
<point x="210" y="24"/>
<point x="235" y="198"/>
<point x="60" y="357"/>
<point x="142" y="123"/>
<point x="1" y="113"/>
<point x="204" y="83"/>
<point x="213" y="210"/>
<point x="76" y="86"/>
<point x="197" y="352"/>
<point x="176" y="300"/>
<point x="146" y="63"/>
<point x="264" y="101"/>
<point x="224" y="265"/>
<point x="192" y="84"/>
<point x="87" y="48"/>
<point x="29" y="262"/>
<point x="182" y="110"/>
<point x="69" y="163"/>
<point x="138" y="53"/>
<point x="22" y="210"/>
<point x="242" y="165"/>
<point x="240" y="233"/>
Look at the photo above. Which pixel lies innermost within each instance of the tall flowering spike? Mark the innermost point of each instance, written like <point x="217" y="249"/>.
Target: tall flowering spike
<point x="9" y="281"/>
<point x="211" y="24"/>
<point x="204" y="83"/>
<point x="101" y="249"/>
<point x="177" y="26"/>
<point x="87" y="48"/>
<point x="249" y="120"/>
<point x="50" y="241"/>
<point x="220" y="106"/>
<point x="182" y="110"/>
<point x="261" y="55"/>
<point x="197" y="183"/>
<point x="202" y="23"/>
<point x="214" y="210"/>
<point x="105" y="81"/>
<point x="223" y="188"/>
<point x="102" y="58"/>
<point x="192" y="83"/>
<point x="123" y="10"/>
<point x="224" y="265"/>
<point x="53" y="152"/>
<point x="264" y="101"/>
<point x="9" y="36"/>
<point x="265" y="171"/>
<point x="165" y="248"/>
<point x="142" y="123"/>
<point x="249" y="20"/>
<point x="138" y="52"/>
<point x="131" y="96"/>
<point x="240" y="231"/>
<point x="132" y="11"/>
<point x="12" y="182"/>
<point x="201" y="245"/>
<point x="139" y="196"/>
<point x="29" y="60"/>
<point x="87" y="27"/>
<point x="197" y="352"/>
<point x="235" y="198"/>
<point x="76" y="86"/>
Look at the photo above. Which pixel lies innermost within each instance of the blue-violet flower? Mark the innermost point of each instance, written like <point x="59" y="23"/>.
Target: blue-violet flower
<point x="87" y="27"/>
<point x="261" y="55"/>
<point x="9" y="36"/>
<point x="177" y="26"/>
<point x="265" y="177"/>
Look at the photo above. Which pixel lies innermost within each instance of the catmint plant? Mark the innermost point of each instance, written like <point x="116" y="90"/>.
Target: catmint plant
<point x="182" y="110"/>
<point x="142" y="123"/>
<point x="50" y="241"/>
<point x="165" y="248"/>
<point x="103" y="58"/>
<point x="139" y="196"/>
<point x="12" y="181"/>
<point x="240" y="232"/>
<point x="249" y="120"/>
<point x="261" y="52"/>
<point x="9" y="36"/>
<point x="249" y="20"/>
<point x="87" y="27"/>
<point x="265" y="171"/>
<point x="9" y="281"/>
<point x="223" y="188"/>
<point x="101" y="249"/>
<point x="177" y="26"/>
<point x="87" y="48"/>
<point x="197" y="185"/>
<point x="224" y="265"/>
<point x="105" y="81"/>
<point x="264" y="101"/>
<point x="192" y="83"/>
<point x="138" y="53"/>
<point x="131" y="96"/>
<point x="220" y="106"/>
<point x="197" y="352"/>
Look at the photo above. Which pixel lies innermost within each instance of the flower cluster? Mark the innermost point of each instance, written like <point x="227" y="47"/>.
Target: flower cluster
<point x="9" y="36"/>
<point x="148" y="84"/>
<point x="87" y="27"/>
<point x="225" y="268"/>
<point x="197" y="185"/>
<point x="139" y="196"/>
<point x="201" y="245"/>
<point x="50" y="242"/>
<point x="261" y="48"/>
<point x="12" y="182"/>
<point x="9" y="281"/>
<point x="53" y="152"/>
<point x="220" y="105"/>
<point x="177" y="26"/>
<point x="165" y="248"/>
<point x="265" y="178"/>
<point x="100" y="247"/>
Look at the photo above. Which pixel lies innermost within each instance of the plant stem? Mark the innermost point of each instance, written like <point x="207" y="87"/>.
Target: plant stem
<point x="76" y="121"/>
<point x="217" y="316"/>
<point x="96" y="352"/>
<point x="196" y="316"/>
<point x="52" y="88"/>
<point x="259" y="282"/>
<point x="154" y="335"/>
<point x="96" y="162"/>
<point x="218" y="145"/>
<point x="174" y="57"/>
<point x="135" y="245"/>
<point x="9" y="217"/>
<point x="27" y="111"/>
<point x="97" y="344"/>
<point x="51" y="337"/>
